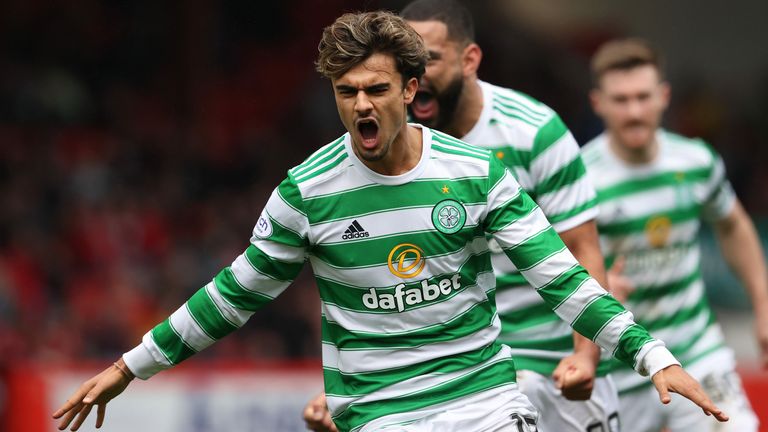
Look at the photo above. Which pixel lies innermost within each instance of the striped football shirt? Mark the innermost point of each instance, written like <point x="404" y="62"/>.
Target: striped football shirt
<point x="651" y="215"/>
<point x="539" y="150"/>
<point x="402" y="264"/>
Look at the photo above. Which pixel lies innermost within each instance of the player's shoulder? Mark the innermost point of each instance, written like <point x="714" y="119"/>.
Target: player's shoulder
<point x="518" y="107"/>
<point x="445" y="146"/>
<point x="327" y="158"/>
<point x="689" y="148"/>
<point x="594" y="152"/>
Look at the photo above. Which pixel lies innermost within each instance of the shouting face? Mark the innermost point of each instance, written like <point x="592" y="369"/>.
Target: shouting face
<point x="441" y="87"/>
<point x="371" y="100"/>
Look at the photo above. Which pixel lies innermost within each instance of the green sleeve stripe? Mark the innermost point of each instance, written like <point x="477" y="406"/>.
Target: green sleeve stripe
<point x="494" y="375"/>
<point x="596" y="315"/>
<point x="284" y="235"/>
<point x="236" y="295"/>
<point x="559" y="217"/>
<point x="517" y="208"/>
<point x="275" y="269"/>
<point x="208" y="316"/>
<point x="561" y="343"/>
<point x="637" y="225"/>
<point x="664" y="179"/>
<point x="548" y="135"/>
<point x="515" y="321"/>
<point x="565" y="176"/>
<point x="497" y="172"/>
<point x="536" y="249"/>
<point x="290" y="194"/>
<point x="631" y="341"/>
<point x="511" y="280"/>
<point x="170" y="343"/>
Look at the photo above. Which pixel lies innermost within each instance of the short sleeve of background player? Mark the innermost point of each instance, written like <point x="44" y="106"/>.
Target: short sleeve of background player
<point x="720" y="195"/>
<point x="273" y="259"/>
<point x="561" y="186"/>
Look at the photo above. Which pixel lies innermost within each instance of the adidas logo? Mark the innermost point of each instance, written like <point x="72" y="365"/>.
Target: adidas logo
<point x="355" y="231"/>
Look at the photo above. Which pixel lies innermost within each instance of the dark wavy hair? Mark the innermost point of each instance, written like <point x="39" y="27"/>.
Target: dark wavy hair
<point x="354" y="37"/>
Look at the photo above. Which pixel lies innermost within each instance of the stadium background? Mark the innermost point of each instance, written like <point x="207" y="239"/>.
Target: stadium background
<point x="139" y="140"/>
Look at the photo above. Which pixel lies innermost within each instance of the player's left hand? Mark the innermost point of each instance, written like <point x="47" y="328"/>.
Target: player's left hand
<point x="675" y="379"/>
<point x="575" y="377"/>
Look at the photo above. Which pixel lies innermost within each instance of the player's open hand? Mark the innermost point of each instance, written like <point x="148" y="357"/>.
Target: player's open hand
<point x="618" y="284"/>
<point x="317" y="417"/>
<point x="675" y="379"/>
<point x="96" y="391"/>
<point x="575" y="377"/>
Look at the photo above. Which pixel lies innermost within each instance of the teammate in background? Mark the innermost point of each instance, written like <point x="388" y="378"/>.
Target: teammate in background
<point x="654" y="187"/>
<point x="534" y="143"/>
<point x="409" y="320"/>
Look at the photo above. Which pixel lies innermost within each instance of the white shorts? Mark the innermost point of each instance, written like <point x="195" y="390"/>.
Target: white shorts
<point x="503" y="409"/>
<point x="641" y="410"/>
<point x="558" y="414"/>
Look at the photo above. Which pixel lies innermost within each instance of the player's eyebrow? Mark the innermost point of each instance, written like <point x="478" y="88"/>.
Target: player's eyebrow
<point x="434" y="55"/>
<point x="369" y="89"/>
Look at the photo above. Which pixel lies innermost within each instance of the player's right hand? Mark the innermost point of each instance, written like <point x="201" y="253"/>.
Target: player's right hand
<point x="317" y="417"/>
<point x="618" y="284"/>
<point x="96" y="391"/>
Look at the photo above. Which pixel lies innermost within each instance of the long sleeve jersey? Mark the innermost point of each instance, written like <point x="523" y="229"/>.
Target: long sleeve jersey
<point x="402" y="264"/>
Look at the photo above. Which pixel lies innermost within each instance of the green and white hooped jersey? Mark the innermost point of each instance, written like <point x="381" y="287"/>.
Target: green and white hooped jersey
<point x="403" y="268"/>
<point x="651" y="215"/>
<point x="539" y="150"/>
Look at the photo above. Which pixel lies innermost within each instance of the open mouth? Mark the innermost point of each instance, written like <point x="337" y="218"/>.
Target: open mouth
<point x="369" y="132"/>
<point x="424" y="106"/>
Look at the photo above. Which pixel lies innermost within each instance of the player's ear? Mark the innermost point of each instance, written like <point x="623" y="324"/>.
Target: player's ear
<point x="594" y="100"/>
<point x="666" y="93"/>
<point x="409" y="91"/>
<point x="471" y="57"/>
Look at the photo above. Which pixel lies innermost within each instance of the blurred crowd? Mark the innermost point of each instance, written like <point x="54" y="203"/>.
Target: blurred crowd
<point x="139" y="140"/>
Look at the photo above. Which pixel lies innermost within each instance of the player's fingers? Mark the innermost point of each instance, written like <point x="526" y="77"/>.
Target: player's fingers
<point x="76" y="398"/>
<point x="663" y="389"/>
<point x="70" y="414"/>
<point x="618" y="265"/>
<point x="101" y="412"/>
<point x="81" y="418"/>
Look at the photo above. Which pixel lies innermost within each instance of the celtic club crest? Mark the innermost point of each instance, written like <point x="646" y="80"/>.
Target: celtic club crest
<point x="449" y="216"/>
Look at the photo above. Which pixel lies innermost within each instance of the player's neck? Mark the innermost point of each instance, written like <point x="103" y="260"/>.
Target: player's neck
<point x="403" y="155"/>
<point x="468" y="110"/>
<point x="634" y="156"/>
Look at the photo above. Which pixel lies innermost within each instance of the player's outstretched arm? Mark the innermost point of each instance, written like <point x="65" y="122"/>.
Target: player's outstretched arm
<point x="96" y="391"/>
<point x="317" y="417"/>
<point x="675" y="379"/>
